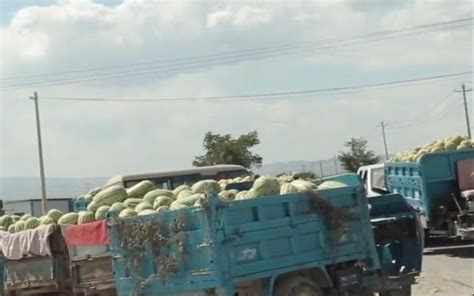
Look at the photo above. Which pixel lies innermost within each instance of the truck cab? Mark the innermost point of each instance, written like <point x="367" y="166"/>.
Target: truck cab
<point x="373" y="177"/>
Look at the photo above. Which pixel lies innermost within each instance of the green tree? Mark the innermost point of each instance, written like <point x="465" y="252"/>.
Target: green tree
<point x="358" y="155"/>
<point x="223" y="149"/>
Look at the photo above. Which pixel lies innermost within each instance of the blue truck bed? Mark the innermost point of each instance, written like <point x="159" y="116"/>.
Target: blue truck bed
<point x="223" y="247"/>
<point x="429" y="184"/>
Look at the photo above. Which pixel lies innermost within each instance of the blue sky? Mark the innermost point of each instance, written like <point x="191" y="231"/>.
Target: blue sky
<point x="103" y="139"/>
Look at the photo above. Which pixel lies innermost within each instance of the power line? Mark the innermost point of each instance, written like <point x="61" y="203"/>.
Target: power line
<point x="268" y="95"/>
<point x="370" y="34"/>
<point x="213" y="60"/>
<point x="437" y="116"/>
<point x="422" y="115"/>
<point x="179" y="67"/>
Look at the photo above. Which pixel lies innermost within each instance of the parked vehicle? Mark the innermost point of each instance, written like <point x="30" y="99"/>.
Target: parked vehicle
<point x="320" y="243"/>
<point x="173" y="179"/>
<point x="36" y="262"/>
<point x="90" y="261"/>
<point x="440" y="186"/>
<point x="373" y="178"/>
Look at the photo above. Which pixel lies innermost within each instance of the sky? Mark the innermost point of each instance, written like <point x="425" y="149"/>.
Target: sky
<point x="87" y="139"/>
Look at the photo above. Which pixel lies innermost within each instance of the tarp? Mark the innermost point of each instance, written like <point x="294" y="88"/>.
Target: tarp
<point x="32" y="242"/>
<point x="94" y="233"/>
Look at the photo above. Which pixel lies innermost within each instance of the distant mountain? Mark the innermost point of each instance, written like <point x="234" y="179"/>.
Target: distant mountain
<point x="15" y="188"/>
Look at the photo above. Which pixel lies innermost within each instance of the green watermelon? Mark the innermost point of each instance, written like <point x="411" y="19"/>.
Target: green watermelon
<point x="55" y="214"/>
<point x="101" y="212"/>
<point x="85" y="217"/>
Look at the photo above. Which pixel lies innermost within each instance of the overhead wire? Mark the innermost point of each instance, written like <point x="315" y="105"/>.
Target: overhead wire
<point x="269" y="95"/>
<point x="185" y="66"/>
<point x="361" y="35"/>
<point x="425" y="113"/>
<point x="435" y="116"/>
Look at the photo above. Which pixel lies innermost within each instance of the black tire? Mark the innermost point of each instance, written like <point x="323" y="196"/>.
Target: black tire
<point x="403" y="291"/>
<point x="297" y="286"/>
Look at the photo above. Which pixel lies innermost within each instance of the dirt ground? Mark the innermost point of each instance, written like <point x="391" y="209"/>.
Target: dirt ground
<point x="447" y="270"/>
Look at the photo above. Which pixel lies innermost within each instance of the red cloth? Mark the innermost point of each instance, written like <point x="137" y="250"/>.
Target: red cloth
<point x="466" y="174"/>
<point x="94" y="233"/>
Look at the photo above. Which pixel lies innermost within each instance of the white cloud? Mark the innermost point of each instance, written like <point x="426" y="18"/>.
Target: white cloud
<point x="218" y="17"/>
<point x="90" y="139"/>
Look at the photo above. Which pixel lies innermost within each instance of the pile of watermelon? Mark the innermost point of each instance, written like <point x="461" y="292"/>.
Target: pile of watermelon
<point x="446" y="144"/>
<point x="144" y="199"/>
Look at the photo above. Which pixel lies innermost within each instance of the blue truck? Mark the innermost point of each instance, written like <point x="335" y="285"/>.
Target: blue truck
<point x="327" y="242"/>
<point x="440" y="186"/>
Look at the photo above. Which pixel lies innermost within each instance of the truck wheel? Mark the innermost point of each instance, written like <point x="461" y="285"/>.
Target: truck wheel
<point x="297" y="286"/>
<point x="403" y="291"/>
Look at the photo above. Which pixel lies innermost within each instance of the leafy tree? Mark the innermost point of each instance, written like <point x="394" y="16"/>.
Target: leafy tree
<point x="358" y="155"/>
<point x="223" y="149"/>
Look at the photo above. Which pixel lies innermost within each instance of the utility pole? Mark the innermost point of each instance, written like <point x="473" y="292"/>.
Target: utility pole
<point x="382" y="125"/>
<point x="335" y="164"/>
<point x="40" y="152"/>
<point x="468" y="125"/>
<point x="321" y="168"/>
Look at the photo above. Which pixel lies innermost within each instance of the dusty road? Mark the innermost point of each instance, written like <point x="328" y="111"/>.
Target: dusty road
<point x="447" y="270"/>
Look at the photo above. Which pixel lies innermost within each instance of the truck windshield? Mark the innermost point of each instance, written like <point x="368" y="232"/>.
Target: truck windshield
<point x="378" y="177"/>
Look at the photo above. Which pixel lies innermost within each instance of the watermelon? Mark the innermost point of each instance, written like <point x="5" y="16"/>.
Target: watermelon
<point x="46" y="221"/>
<point x="288" y="188"/>
<point x="303" y="185"/>
<point x="25" y="217"/>
<point x="152" y="195"/>
<point x="101" y="212"/>
<point x="162" y="201"/>
<point x="94" y="191"/>
<point x="183" y="194"/>
<point x="178" y="189"/>
<point x="19" y="225"/>
<point x="127" y="213"/>
<point x="264" y="186"/>
<point x="11" y="228"/>
<point x="140" y="189"/>
<point x="88" y="197"/>
<point x="6" y="221"/>
<point x="146" y="212"/>
<point x="85" y="217"/>
<point x="109" y="195"/>
<point x="244" y="194"/>
<point x="331" y="185"/>
<point x="176" y="205"/>
<point x="92" y="207"/>
<point x="143" y="206"/>
<point x="226" y="195"/>
<point x="117" y="207"/>
<point x="54" y="214"/>
<point x="68" y="219"/>
<point x="162" y="209"/>
<point x="206" y="186"/>
<point x="190" y="200"/>
<point x="132" y="202"/>
<point x="32" y="223"/>
<point x="80" y="198"/>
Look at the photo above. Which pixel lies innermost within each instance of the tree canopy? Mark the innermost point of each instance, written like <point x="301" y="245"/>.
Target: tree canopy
<point x="223" y="149"/>
<point x="358" y="155"/>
